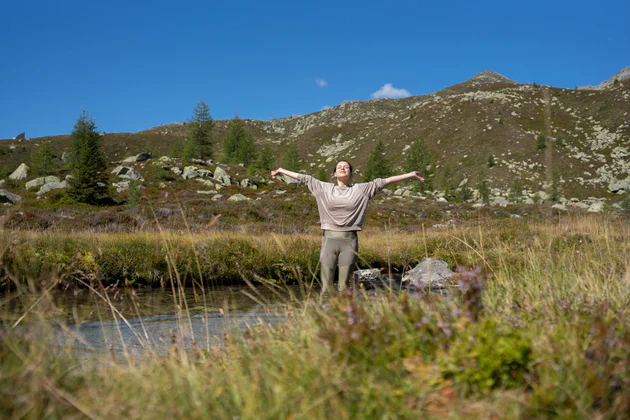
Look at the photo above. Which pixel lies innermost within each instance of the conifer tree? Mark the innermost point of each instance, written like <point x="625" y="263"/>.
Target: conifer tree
<point x="239" y="145"/>
<point x="44" y="161"/>
<point x="198" y="143"/>
<point x="89" y="176"/>
<point x="377" y="166"/>
<point x="420" y="158"/>
<point x="483" y="188"/>
<point x="541" y="142"/>
<point x="266" y="159"/>
<point x="291" y="159"/>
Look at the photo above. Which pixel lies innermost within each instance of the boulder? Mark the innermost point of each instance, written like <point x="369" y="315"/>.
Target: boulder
<point x="238" y="197"/>
<point x="7" y="197"/>
<point x="121" y="186"/>
<point x="596" y="207"/>
<point x="20" y="173"/>
<point x="222" y="176"/>
<point x="619" y="187"/>
<point x="206" y="192"/>
<point x="190" y="172"/>
<point x="52" y="186"/>
<point x="205" y="182"/>
<point x="559" y="207"/>
<point x="368" y="274"/>
<point x="176" y="170"/>
<point x="41" y="181"/>
<point x="429" y="274"/>
<point x="289" y="180"/>
<point x="127" y="173"/>
<point x="142" y="157"/>
<point x="217" y="197"/>
<point x="499" y="201"/>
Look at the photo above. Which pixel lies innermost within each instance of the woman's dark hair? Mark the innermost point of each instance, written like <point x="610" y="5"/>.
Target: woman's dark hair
<point x="335" y="168"/>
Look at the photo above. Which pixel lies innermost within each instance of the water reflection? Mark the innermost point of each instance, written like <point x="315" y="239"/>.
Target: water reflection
<point x="139" y="323"/>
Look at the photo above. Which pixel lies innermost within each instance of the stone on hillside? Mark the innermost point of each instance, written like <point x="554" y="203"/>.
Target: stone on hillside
<point x="41" y="181"/>
<point x="53" y="186"/>
<point x="239" y="197"/>
<point x="499" y="201"/>
<point x="289" y="180"/>
<point x="464" y="182"/>
<point x="190" y="172"/>
<point x="121" y="186"/>
<point x="429" y="274"/>
<point x="399" y="191"/>
<point x="206" y="192"/>
<point x="407" y="193"/>
<point x="559" y="207"/>
<point x="222" y="176"/>
<point x="217" y="197"/>
<point x="176" y="170"/>
<point x="20" y="173"/>
<point x="142" y="157"/>
<point x="127" y="173"/>
<point x="7" y="197"/>
<point x="65" y="157"/>
<point x="205" y="182"/>
<point x="596" y="207"/>
<point x="442" y="200"/>
<point x="246" y="182"/>
<point x="580" y="205"/>
<point x="477" y="205"/>
<point x="528" y="200"/>
<point x="619" y="187"/>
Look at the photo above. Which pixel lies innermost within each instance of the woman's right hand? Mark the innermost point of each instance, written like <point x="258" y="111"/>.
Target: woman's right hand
<point x="275" y="172"/>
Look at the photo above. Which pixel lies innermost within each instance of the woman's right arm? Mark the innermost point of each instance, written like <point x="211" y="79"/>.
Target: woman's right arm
<point x="293" y="175"/>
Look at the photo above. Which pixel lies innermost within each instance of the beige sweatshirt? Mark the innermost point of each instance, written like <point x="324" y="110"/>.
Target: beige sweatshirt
<point x="342" y="208"/>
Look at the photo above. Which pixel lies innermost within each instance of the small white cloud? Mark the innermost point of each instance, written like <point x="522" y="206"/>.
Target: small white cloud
<point x="321" y="82"/>
<point x="388" y="91"/>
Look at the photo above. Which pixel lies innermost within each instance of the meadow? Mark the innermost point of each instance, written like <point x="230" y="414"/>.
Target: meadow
<point x="537" y="326"/>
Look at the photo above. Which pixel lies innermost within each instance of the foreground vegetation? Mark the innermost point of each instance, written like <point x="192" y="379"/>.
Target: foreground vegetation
<point x="538" y="327"/>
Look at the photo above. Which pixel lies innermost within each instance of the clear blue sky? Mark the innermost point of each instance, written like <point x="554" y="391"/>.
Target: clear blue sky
<point x="138" y="64"/>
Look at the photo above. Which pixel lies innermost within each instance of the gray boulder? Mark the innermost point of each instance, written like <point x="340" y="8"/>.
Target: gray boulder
<point x="429" y="274"/>
<point x="619" y="187"/>
<point x="190" y="172"/>
<point x="289" y="180"/>
<point x="238" y="197"/>
<point x="368" y="274"/>
<point x="41" y="181"/>
<point x="20" y="173"/>
<point x="560" y="207"/>
<point x="7" y="197"/>
<point x="121" y="186"/>
<point x="142" y="157"/>
<point x="127" y="173"/>
<point x="217" y="197"/>
<point x="52" y="186"/>
<point x="222" y="176"/>
<point x="499" y="201"/>
<point x="596" y="207"/>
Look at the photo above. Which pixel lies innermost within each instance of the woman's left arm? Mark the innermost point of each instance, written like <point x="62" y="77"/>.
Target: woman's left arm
<point x="398" y="178"/>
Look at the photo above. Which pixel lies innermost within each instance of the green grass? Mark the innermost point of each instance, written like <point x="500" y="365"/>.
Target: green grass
<point x="541" y="329"/>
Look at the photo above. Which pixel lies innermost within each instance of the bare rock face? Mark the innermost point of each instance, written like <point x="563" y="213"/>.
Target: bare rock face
<point x="7" y="197"/>
<point x="20" y="173"/>
<point x="429" y="274"/>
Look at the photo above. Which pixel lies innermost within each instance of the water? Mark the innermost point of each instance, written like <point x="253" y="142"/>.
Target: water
<point x="143" y="323"/>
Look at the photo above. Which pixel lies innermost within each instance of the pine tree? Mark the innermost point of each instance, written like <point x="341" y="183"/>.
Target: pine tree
<point x="483" y="188"/>
<point x="515" y="192"/>
<point x="89" y="176"/>
<point x="291" y="159"/>
<point x="198" y="143"/>
<point x="44" y="161"/>
<point x="420" y="158"/>
<point x="490" y="161"/>
<point x="239" y="145"/>
<point x="377" y="166"/>
<point x="447" y="184"/>
<point x="266" y="159"/>
<point x="323" y="175"/>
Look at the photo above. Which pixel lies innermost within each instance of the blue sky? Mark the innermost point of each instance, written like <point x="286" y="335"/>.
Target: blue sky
<point x="138" y="64"/>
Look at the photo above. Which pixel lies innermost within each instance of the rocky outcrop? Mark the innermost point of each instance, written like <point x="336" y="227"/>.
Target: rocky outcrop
<point x="20" y="173"/>
<point x="41" y="181"/>
<point x="142" y="157"/>
<point x="127" y="173"/>
<point x="222" y="176"/>
<point x="55" y="185"/>
<point x="7" y="197"/>
<point x="238" y="197"/>
<point x="429" y="274"/>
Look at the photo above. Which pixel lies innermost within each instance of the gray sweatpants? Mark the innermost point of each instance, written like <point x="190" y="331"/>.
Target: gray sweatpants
<point x="338" y="249"/>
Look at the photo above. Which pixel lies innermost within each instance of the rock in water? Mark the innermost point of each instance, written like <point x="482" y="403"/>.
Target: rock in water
<point x="429" y="274"/>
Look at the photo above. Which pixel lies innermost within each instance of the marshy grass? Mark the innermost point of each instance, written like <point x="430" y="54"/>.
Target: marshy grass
<point x="538" y="327"/>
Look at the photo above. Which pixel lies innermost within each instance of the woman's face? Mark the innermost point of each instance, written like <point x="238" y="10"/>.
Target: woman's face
<point x="343" y="170"/>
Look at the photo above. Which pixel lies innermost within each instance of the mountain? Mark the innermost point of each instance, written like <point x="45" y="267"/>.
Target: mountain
<point x="623" y="75"/>
<point x="586" y="133"/>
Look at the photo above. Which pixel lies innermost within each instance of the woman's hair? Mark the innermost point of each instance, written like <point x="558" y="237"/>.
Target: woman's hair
<point x="335" y="168"/>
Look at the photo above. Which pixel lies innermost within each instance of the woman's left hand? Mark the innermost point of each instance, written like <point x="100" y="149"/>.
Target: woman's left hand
<point x="417" y="176"/>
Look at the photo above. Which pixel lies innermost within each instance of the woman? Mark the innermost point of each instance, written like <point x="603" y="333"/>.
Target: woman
<point x="342" y="210"/>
